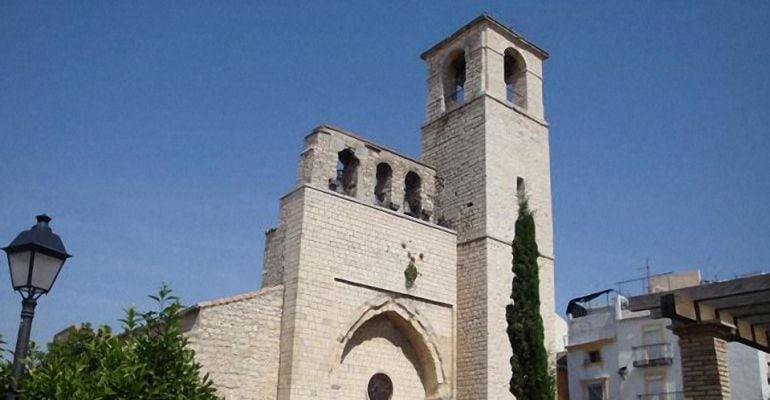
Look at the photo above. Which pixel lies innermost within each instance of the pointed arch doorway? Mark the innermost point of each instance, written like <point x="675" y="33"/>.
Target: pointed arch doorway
<point x="387" y="354"/>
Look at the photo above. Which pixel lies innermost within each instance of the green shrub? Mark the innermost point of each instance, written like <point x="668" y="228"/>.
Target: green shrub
<point x="148" y="360"/>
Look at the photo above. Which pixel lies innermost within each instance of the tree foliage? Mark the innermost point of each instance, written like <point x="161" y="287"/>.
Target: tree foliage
<point x="148" y="360"/>
<point x="530" y="378"/>
<point x="5" y="368"/>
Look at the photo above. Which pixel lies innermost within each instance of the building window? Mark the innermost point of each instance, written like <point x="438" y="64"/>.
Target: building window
<point x="346" y="179"/>
<point x="655" y="387"/>
<point x="412" y="193"/>
<point x="380" y="387"/>
<point x="515" y="72"/>
<point x="654" y="351"/>
<point x="521" y="187"/>
<point x="593" y="357"/>
<point x="652" y="334"/>
<point x="382" y="190"/>
<point x="454" y="79"/>
<point x="595" y="390"/>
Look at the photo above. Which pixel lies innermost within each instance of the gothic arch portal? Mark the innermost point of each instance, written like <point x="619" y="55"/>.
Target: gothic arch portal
<point x="426" y="356"/>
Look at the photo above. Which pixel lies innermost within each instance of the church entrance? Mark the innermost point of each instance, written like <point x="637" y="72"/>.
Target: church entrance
<point x="380" y="363"/>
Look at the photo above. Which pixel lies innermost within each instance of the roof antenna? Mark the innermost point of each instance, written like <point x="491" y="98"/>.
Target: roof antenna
<point x="647" y="275"/>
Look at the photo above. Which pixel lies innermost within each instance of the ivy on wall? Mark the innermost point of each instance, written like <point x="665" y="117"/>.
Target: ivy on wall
<point x="411" y="273"/>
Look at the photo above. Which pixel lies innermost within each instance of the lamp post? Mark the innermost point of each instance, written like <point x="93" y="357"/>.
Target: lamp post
<point x="35" y="258"/>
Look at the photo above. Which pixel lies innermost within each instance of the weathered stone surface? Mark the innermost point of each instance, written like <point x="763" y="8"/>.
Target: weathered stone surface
<point x="352" y="257"/>
<point x="485" y="150"/>
<point x="236" y="341"/>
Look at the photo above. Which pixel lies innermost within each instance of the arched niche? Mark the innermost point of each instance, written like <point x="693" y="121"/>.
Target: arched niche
<point x="433" y="376"/>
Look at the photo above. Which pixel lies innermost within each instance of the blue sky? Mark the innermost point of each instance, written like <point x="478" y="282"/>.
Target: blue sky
<point x="160" y="135"/>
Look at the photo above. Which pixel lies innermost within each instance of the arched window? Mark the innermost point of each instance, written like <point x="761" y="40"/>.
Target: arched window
<point x="454" y="78"/>
<point x="412" y="192"/>
<point x="521" y="187"/>
<point x="515" y="77"/>
<point x="383" y="189"/>
<point x="347" y="173"/>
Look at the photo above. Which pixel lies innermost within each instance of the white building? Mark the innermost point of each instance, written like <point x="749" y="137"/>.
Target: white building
<point x="614" y="353"/>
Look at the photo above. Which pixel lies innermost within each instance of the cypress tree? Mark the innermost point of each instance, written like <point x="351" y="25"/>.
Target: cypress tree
<point x="530" y="378"/>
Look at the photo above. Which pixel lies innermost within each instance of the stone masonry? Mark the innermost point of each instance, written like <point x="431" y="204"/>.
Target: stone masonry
<point x="237" y="339"/>
<point x="486" y="149"/>
<point x="386" y="265"/>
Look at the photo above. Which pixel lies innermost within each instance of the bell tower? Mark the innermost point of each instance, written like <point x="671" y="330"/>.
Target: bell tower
<point x="486" y="135"/>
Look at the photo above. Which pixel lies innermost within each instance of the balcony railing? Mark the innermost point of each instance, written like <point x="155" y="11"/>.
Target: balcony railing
<point x="662" y="396"/>
<point x="653" y="355"/>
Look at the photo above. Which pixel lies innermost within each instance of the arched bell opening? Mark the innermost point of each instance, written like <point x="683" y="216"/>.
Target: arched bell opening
<point x="454" y="79"/>
<point x="515" y="76"/>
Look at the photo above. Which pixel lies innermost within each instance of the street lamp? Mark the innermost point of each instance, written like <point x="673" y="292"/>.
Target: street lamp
<point x="35" y="258"/>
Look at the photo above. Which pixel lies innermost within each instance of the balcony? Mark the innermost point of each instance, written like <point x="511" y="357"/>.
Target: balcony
<point x="653" y="355"/>
<point x="662" y="396"/>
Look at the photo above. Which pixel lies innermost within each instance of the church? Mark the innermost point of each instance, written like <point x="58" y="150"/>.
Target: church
<point x="387" y="277"/>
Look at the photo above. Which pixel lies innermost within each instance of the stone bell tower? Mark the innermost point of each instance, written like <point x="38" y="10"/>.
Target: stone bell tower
<point x="486" y="135"/>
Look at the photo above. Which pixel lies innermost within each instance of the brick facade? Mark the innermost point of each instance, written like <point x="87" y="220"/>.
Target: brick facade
<point x="703" y="350"/>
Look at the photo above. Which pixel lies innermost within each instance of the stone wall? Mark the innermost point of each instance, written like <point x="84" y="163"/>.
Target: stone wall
<point x="348" y="267"/>
<point x="703" y="349"/>
<point x="748" y="372"/>
<point x="236" y="340"/>
<point x="379" y="339"/>
<point x="496" y="43"/>
<point x="455" y="145"/>
<point x="486" y="150"/>
<point x="318" y="168"/>
<point x="472" y="324"/>
<point x="518" y="147"/>
<point x="272" y="261"/>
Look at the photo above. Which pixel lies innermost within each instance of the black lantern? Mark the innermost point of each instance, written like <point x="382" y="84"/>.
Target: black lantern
<point x="35" y="258"/>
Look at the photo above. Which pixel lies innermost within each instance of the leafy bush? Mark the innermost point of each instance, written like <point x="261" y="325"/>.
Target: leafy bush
<point x="5" y="367"/>
<point x="148" y="360"/>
